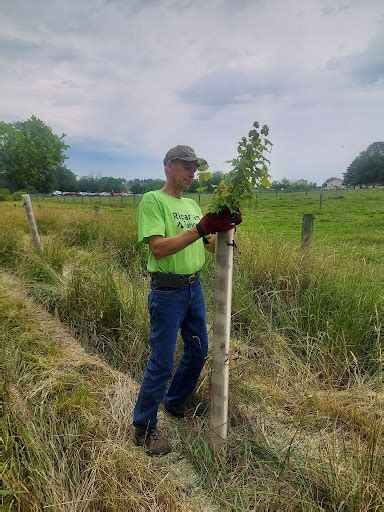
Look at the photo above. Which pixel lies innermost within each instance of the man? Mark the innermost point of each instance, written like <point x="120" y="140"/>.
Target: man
<point x="177" y="235"/>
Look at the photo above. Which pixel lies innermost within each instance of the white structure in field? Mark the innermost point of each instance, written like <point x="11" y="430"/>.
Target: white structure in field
<point x="333" y="183"/>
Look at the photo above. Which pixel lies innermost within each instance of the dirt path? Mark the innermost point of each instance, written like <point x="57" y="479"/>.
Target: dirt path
<point x="173" y="472"/>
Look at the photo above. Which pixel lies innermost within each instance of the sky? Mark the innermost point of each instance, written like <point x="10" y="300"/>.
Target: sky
<point x="128" y="79"/>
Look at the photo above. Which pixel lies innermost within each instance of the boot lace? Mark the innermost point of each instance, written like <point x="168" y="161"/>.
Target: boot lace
<point x="154" y="434"/>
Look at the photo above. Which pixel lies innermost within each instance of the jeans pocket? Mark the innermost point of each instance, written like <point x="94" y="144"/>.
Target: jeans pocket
<point x="165" y="290"/>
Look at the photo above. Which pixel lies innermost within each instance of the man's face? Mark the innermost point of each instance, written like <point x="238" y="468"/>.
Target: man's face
<point x="182" y="173"/>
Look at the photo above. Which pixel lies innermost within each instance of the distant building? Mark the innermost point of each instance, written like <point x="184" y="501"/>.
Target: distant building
<point x="333" y="183"/>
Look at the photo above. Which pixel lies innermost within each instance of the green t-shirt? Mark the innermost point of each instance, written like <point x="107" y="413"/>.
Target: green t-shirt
<point x="165" y="215"/>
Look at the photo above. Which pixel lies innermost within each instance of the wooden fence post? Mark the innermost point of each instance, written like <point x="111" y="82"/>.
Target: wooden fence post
<point x="31" y="221"/>
<point x="221" y="337"/>
<point x="306" y="230"/>
<point x="321" y="200"/>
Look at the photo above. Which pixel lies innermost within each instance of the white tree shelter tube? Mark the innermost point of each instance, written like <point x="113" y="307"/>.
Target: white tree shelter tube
<point x="221" y="336"/>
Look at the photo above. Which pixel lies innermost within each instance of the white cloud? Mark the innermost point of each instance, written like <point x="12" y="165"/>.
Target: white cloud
<point x="144" y="76"/>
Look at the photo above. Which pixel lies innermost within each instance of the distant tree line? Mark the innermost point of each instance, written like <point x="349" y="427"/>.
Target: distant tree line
<point x="287" y="185"/>
<point x="367" y="169"/>
<point x="33" y="158"/>
<point x="136" y="186"/>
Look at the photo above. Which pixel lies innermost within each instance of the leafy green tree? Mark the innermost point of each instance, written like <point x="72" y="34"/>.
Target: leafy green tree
<point x="89" y="183"/>
<point x="203" y="177"/>
<point x="65" y="180"/>
<point x="249" y="169"/>
<point x="211" y="183"/>
<point x="367" y="169"/>
<point x="111" y="184"/>
<point x="215" y="180"/>
<point x="30" y="154"/>
<point x="141" y="186"/>
<point x="4" y="182"/>
<point x="194" y="185"/>
<point x="284" y="184"/>
<point x="153" y="184"/>
<point x="135" y="187"/>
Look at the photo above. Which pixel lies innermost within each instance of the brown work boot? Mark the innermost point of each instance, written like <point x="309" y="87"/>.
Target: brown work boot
<point x="177" y="412"/>
<point x="151" y="440"/>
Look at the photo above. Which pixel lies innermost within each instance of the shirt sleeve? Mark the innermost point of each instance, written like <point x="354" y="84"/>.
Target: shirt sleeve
<point x="150" y="219"/>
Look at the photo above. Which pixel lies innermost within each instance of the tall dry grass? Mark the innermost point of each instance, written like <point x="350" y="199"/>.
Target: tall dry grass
<point x="306" y="397"/>
<point x="66" y="426"/>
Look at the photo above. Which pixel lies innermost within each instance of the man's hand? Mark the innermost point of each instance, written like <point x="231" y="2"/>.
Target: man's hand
<point x="211" y="245"/>
<point x="217" y="222"/>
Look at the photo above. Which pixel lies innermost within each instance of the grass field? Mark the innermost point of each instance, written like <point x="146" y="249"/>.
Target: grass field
<point x="306" y="396"/>
<point x="350" y="219"/>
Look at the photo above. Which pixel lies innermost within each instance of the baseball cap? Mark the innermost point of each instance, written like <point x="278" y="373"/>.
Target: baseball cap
<point x="180" y="153"/>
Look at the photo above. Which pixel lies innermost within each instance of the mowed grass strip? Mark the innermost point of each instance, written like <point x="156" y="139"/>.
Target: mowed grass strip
<point x="67" y="426"/>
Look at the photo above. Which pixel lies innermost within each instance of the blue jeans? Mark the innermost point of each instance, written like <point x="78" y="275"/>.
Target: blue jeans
<point x="171" y="310"/>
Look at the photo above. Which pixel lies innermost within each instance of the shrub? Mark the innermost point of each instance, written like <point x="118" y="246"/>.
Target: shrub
<point x="4" y="194"/>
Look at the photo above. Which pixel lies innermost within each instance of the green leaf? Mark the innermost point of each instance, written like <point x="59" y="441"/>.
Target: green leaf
<point x="205" y="176"/>
<point x="265" y="182"/>
<point x="202" y="165"/>
<point x="5" y="492"/>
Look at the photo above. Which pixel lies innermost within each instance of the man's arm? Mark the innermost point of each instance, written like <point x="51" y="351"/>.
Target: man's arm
<point x="211" y="223"/>
<point x="162" y="246"/>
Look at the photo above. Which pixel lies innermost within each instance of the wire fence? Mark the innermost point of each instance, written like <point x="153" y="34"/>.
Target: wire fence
<point x="202" y="199"/>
